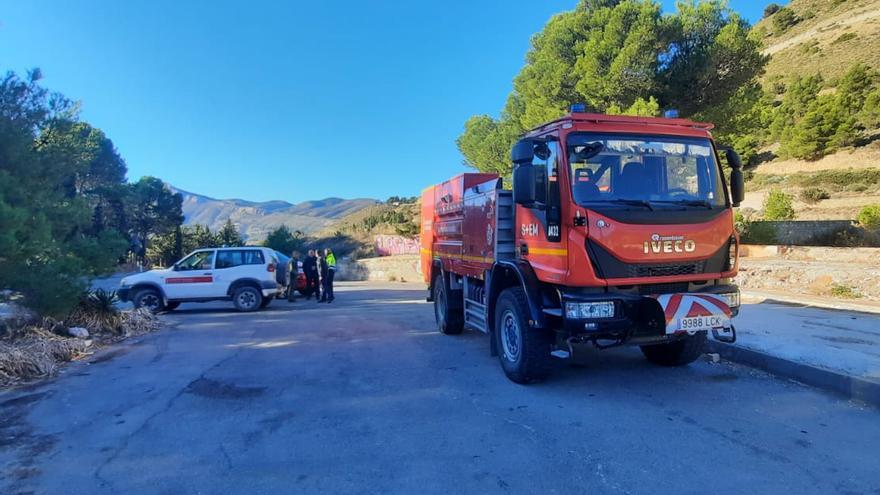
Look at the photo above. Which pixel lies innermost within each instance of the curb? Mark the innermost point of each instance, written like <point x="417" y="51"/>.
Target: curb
<point x="808" y="301"/>
<point x="848" y="386"/>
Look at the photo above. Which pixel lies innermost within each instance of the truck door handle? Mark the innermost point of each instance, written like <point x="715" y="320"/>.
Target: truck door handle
<point x="207" y="273"/>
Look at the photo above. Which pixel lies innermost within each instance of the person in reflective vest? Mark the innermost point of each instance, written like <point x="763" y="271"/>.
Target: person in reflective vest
<point x="329" y="261"/>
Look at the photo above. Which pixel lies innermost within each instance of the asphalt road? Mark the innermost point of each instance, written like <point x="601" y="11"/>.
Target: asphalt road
<point x="364" y="396"/>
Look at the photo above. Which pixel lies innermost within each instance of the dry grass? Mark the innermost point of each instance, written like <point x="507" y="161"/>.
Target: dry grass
<point x="35" y="352"/>
<point x="858" y="158"/>
<point x="38" y="350"/>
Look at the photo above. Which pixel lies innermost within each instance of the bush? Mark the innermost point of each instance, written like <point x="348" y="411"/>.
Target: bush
<point x="843" y="38"/>
<point x="771" y="9"/>
<point x="97" y="312"/>
<point x="869" y="217"/>
<point x="778" y="206"/>
<point x="784" y="18"/>
<point x="813" y="195"/>
<point x="758" y="233"/>
<point x="844" y="291"/>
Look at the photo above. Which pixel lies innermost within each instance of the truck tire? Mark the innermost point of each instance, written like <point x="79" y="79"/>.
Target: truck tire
<point x="247" y="298"/>
<point x="450" y="321"/>
<point x="680" y="353"/>
<point x="524" y="352"/>
<point x="148" y="298"/>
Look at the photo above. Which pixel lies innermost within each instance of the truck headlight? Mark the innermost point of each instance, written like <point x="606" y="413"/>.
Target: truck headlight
<point x="731" y="254"/>
<point x="731" y="299"/>
<point x="589" y="310"/>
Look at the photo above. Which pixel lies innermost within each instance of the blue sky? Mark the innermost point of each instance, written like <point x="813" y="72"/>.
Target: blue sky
<point x="282" y="100"/>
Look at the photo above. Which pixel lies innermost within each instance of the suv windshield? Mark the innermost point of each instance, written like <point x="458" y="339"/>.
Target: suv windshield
<point x="644" y="171"/>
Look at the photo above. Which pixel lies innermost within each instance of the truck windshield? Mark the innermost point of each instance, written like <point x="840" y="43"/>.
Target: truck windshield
<point x="644" y="171"/>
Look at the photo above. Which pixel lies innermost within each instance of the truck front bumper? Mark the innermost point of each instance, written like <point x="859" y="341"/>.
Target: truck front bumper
<point x="636" y="317"/>
<point x="123" y="293"/>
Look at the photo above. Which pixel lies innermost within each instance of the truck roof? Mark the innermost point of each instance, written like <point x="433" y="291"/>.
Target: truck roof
<point x="626" y="123"/>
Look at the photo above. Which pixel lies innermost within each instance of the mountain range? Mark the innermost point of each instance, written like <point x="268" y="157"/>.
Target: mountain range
<point x="256" y="219"/>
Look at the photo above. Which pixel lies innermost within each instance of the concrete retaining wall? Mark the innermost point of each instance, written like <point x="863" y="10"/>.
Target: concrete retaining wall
<point x="403" y="268"/>
<point x="812" y="253"/>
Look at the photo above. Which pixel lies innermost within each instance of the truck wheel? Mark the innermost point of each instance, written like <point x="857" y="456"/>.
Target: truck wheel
<point x="449" y="321"/>
<point x="247" y="298"/>
<point x="524" y="352"/>
<point x="680" y="353"/>
<point x="149" y="299"/>
<point x="172" y="306"/>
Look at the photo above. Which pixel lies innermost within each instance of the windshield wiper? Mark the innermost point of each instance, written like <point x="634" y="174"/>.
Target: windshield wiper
<point x="633" y="202"/>
<point x="688" y="202"/>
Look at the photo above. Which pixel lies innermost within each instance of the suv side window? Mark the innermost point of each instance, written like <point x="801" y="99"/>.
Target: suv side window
<point x="201" y="260"/>
<point x="239" y="257"/>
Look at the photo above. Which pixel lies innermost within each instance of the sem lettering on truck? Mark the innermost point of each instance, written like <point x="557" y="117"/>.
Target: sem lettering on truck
<point x="669" y="244"/>
<point x="529" y="229"/>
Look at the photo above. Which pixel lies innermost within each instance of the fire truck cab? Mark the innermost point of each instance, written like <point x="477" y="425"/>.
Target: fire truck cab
<point x="617" y="231"/>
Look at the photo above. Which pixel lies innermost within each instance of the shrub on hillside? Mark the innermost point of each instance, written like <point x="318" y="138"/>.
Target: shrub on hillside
<point x="778" y="206"/>
<point x="869" y="217"/>
<point x="813" y="195"/>
<point x="771" y="9"/>
<point x="784" y="18"/>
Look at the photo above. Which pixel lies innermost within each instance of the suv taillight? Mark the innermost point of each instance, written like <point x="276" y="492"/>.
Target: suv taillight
<point x="270" y="267"/>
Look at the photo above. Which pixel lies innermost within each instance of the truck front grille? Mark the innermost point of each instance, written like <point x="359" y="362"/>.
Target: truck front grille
<point x="665" y="269"/>
<point x="672" y="288"/>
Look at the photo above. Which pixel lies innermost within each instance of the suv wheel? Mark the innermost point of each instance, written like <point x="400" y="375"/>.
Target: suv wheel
<point x="247" y="298"/>
<point x="149" y="299"/>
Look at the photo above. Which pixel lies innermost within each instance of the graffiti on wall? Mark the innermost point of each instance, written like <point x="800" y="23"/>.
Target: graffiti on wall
<point x="387" y="245"/>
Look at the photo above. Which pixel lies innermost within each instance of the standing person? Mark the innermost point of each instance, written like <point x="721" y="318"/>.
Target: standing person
<point x="325" y="273"/>
<point x="310" y="268"/>
<point x="293" y="273"/>
<point x="330" y="261"/>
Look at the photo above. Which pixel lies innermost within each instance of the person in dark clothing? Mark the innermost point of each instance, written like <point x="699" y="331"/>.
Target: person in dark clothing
<point x="325" y="273"/>
<point x="293" y="273"/>
<point x="310" y="268"/>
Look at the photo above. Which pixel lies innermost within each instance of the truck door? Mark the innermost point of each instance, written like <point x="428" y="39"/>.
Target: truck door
<point x="539" y="236"/>
<point x="192" y="278"/>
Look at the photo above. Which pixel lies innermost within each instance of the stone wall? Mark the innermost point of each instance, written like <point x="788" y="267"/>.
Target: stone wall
<point x="834" y="233"/>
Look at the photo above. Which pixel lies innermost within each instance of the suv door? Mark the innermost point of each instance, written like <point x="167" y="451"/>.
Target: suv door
<point x="192" y="277"/>
<point x="237" y="264"/>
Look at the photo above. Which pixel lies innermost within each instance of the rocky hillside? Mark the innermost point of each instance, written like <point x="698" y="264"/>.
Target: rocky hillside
<point x="821" y="36"/>
<point x="256" y="219"/>
<point x="826" y="38"/>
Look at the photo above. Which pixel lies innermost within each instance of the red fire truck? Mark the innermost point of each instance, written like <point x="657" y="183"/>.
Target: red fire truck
<point x="617" y="231"/>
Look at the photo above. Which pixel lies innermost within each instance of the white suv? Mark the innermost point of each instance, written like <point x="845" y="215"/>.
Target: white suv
<point x="245" y="275"/>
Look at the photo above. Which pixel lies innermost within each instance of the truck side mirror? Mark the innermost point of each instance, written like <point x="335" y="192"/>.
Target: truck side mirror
<point x="523" y="152"/>
<point x="737" y="182"/>
<point x="529" y="181"/>
<point x="530" y="186"/>
<point x="524" y="179"/>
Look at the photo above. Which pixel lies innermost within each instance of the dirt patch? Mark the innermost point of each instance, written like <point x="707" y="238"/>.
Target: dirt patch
<point x="811" y="277"/>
